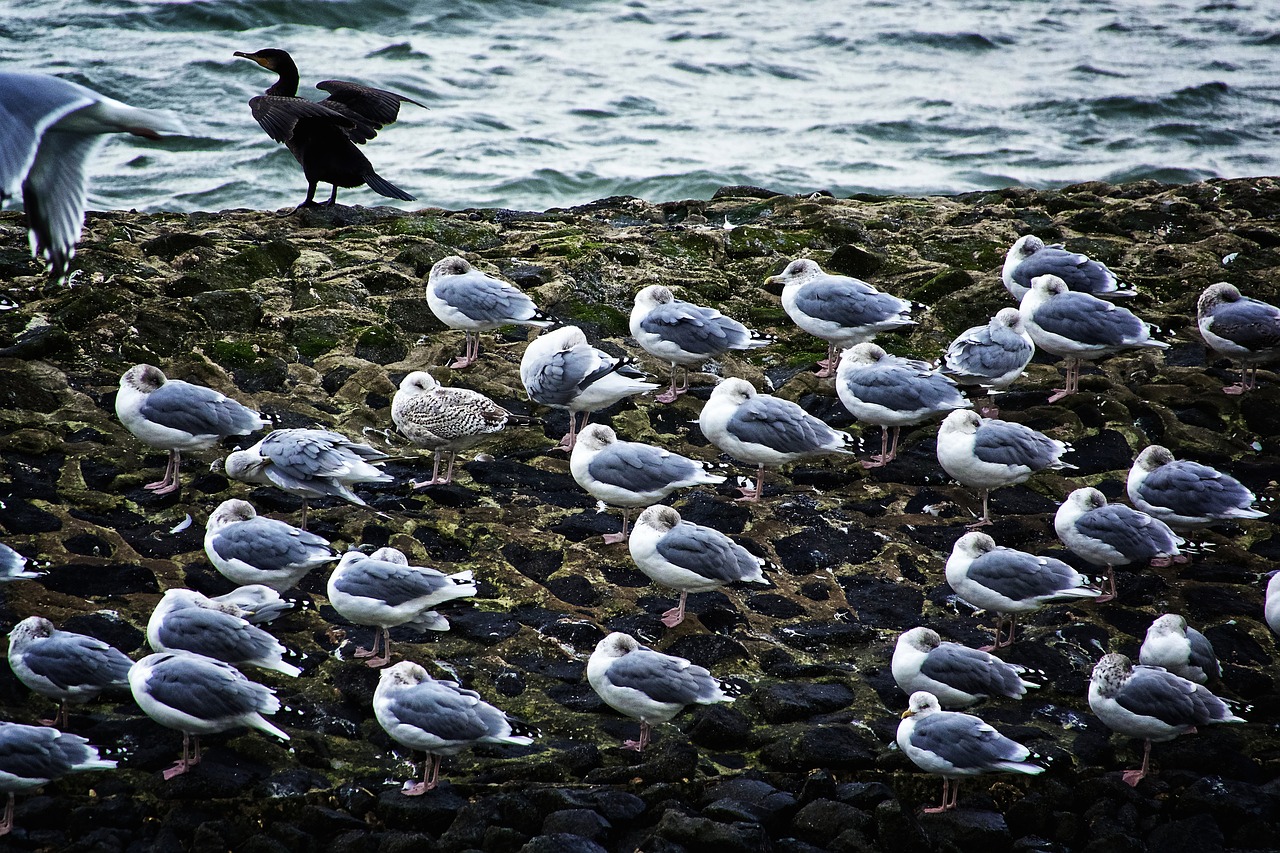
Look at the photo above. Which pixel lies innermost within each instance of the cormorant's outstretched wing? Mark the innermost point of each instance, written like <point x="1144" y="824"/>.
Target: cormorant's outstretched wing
<point x="370" y="108"/>
<point x="279" y="116"/>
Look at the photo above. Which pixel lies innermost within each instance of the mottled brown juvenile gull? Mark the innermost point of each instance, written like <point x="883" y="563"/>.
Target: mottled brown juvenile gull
<point x="685" y="334"/>
<point x="1029" y="258"/>
<point x="464" y="298"/>
<point x="199" y="696"/>
<point x="1111" y="535"/>
<point x="1241" y="328"/>
<point x="1150" y="703"/>
<point x="761" y="429"/>
<point x="892" y="392"/>
<point x="1185" y="494"/>
<point x="64" y="666"/>
<point x="49" y="128"/>
<point x="1173" y="645"/>
<point x="382" y="591"/>
<point x="986" y="453"/>
<point x="444" y="420"/>
<point x="185" y="620"/>
<point x="249" y="549"/>
<point x="309" y="463"/>
<point x="957" y="675"/>
<point x="560" y="369"/>
<point x="440" y="718"/>
<point x="1008" y="582"/>
<point x="1079" y="327"/>
<point x="173" y="415"/>
<point x="649" y="686"/>
<point x="689" y="557"/>
<point x="31" y="756"/>
<point x="991" y="356"/>
<point x="630" y="474"/>
<point x="955" y="745"/>
<point x="13" y="565"/>
<point x="843" y="311"/>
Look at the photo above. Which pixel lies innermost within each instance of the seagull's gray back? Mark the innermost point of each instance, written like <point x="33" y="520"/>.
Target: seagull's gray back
<point x="695" y="329"/>
<point x="1083" y="318"/>
<point x="662" y="678"/>
<point x="1153" y="692"/>
<point x="964" y="742"/>
<point x="39" y="752"/>
<point x="268" y="544"/>
<point x="847" y="301"/>
<point x="68" y="659"/>
<point x="1021" y="576"/>
<point x="639" y="467"/>
<point x="1007" y="443"/>
<point x="389" y="582"/>
<point x="1249" y="323"/>
<point x="446" y="710"/>
<point x="779" y="424"/>
<point x="215" y="634"/>
<point x="484" y="299"/>
<point x="971" y="671"/>
<point x="1135" y="535"/>
<point x="1079" y="272"/>
<point x="706" y="552"/>
<point x="203" y="691"/>
<point x="198" y="410"/>
<point x="1202" y="654"/>
<point x="1191" y="489"/>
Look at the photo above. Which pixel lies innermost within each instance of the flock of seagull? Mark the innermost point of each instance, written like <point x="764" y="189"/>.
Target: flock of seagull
<point x="193" y="681"/>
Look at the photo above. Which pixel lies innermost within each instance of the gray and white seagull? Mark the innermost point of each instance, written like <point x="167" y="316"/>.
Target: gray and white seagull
<point x="64" y="666"/>
<point x="31" y="756"/>
<point x="958" y="675"/>
<point x="185" y="620"/>
<point x="1185" y="494"/>
<point x="464" y="298"/>
<point x="1029" y="258"/>
<point x="1241" y="328"/>
<point x="991" y="356"/>
<point x="1107" y="534"/>
<point x="248" y="549"/>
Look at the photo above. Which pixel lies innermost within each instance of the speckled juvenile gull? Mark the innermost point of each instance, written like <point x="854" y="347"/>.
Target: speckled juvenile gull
<point x="649" y="686"/>
<point x="1008" y="582"/>
<point x="1241" y="328"/>
<point x="255" y="602"/>
<point x="991" y="356"/>
<point x="1173" y="645"/>
<point x="32" y="756"/>
<point x="630" y="474"/>
<point x="761" y="429"/>
<point x="560" y="369"/>
<point x="1150" y="703"/>
<point x="1271" y="605"/>
<point x="957" y="675"/>
<point x="1079" y="327"/>
<point x="13" y="566"/>
<point x="64" y="666"/>
<point x="464" y="298"/>
<point x="49" y="128"/>
<point x="173" y="415"/>
<point x="309" y="463"/>
<point x="985" y="454"/>
<point x="1029" y="258"/>
<point x="843" y="311"/>
<point x="1114" y="535"/>
<point x="199" y="696"/>
<point x="444" y="420"/>
<point x="382" y="591"/>
<point x="247" y="548"/>
<point x="892" y="392"/>
<point x="684" y="334"/>
<point x="185" y="620"/>
<point x="955" y="745"/>
<point x="440" y="718"/>
<point x="1185" y="494"/>
<point x="689" y="557"/>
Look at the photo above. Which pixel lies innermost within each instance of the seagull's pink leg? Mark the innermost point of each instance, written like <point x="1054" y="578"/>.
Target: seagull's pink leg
<point x="639" y="745"/>
<point x="753" y="495"/>
<point x="675" y="615"/>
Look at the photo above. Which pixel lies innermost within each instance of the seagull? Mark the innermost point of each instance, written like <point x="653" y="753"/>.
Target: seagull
<point x="1240" y="328"/>
<point x="64" y="666"/>
<point x="1079" y="327"/>
<point x="764" y="430"/>
<point x="957" y="675"/>
<point x="440" y="718"/>
<point x="309" y="463"/>
<point x="249" y="549"/>
<point x="31" y="756"/>
<point x="185" y="620"/>
<point x="1271" y="607"/>
<point x="49" y="127"/>
<point x="955" y="745"/>
<point x="993" y="356"/>
<point x="1007" y="581"/>
<point x="1114" y="535"/>
<point x="649" y="686"/>
<point x="382" y="590"/>
<point x="1150" y="703"/>
<point x="464" y="298"/>
<point x="685" y="334"/>
<point x="256" y="603"/>
<point x="173" y="415"/>
<point x="889" y="391"/>
<point x="199" y="696"/>
<point x="631" y="474"/>
<point x="985" y="453"/>
<point x="560" y="369"/>
<point x="843" y="311"/>
<point x="1185" y="494"/>
<point x="1029" y="258"/>
<point x="444" y="420"/>
<point x="1173" y="645"/>
<point x="13" y="565"/>
<point x="688" y="557"/>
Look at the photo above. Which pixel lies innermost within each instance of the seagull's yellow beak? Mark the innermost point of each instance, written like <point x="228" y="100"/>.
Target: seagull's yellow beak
<point x="908" y="713"/>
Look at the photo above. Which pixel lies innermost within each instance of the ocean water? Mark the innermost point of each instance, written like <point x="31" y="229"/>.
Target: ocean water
<point x="534" y="104"/>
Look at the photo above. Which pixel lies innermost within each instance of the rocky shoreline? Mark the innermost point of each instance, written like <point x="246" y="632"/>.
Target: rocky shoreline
<point x="315" y="316"/>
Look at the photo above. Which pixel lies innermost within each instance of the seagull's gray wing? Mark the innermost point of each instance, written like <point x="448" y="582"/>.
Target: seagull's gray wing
<point x="268" y="544"/>
<point x="30" y="104"/>
<point x="1134" y="534"/>
<point x="1153" y="692"/>
<point x="484" y="298"/>
<point x="1007" y="443"/>
<point x="695" y="329"/>
<point x="971" y="671"/>
<point x="1020" y="576"/>
<point x="847" y="301"/>
<point x="442" y="709"/>
<point x="1252" y="324"/>
<point x="1191" y="489"/>
<point x="1088" y="320"/>
<point x="206" y="690"/>
<point x="706" y="552"/>
<point x="980" y="351"/>
<point x="197" y="410"/>
<point x="901" y="388"/>
<point x="780" y="425"/>
<point x="389" y="582"/>
<point x="70" y="660"/>
<point x="53" y="195"/>
<point x="1078" y="271"/>
<point x="558" y="379"/>
<point x="215" y="634"/>
<point x="964" y="741"/>
<point x="1202" y="654"/>
<point x="639" y="467"/>
<point x="661" y="677"/>
<point x="38" y="752"/>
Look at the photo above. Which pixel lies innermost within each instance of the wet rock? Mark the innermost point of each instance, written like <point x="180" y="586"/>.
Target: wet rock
<point x="785" y="703"/>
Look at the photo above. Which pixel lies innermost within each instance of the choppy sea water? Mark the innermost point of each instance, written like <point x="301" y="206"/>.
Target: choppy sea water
<point x="536" y="104"/>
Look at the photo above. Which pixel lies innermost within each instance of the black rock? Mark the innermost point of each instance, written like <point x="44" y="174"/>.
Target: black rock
<point x="785" y="703"/>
